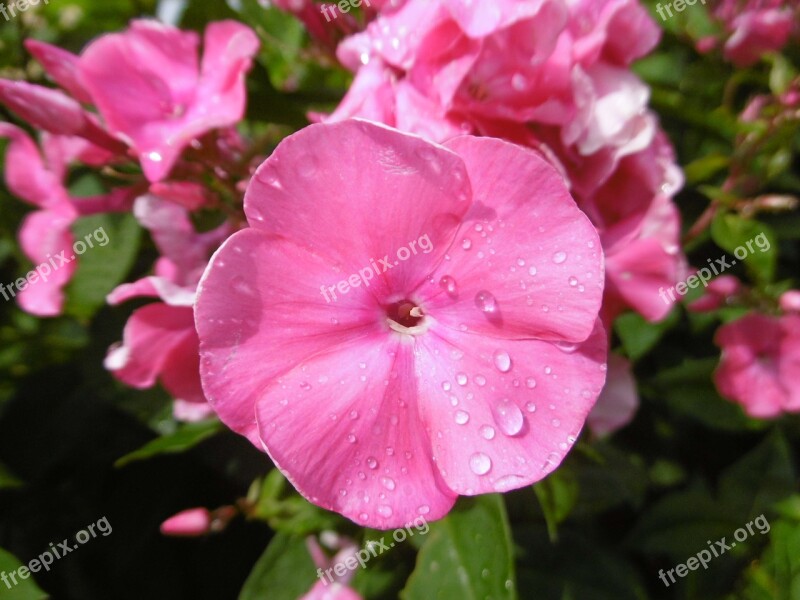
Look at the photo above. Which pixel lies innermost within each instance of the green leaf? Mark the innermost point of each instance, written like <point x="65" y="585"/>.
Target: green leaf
<point x="747" y="240"/>
<point x="557" y="495"/>
<point x="466" y="555"/>
<point x="761" y="478"/>
<point x="285" y="510"/>
<point x="705" y="167"/>
<point x="777" y="575"/>
<point x="284" y="572"/>
<point x="638" y="335"/>
<point x="188" y="436"/>
<point x="26" y="589"/>
<point x="101" y="267"/>
<point x="689" y="389"/>
<point x="7" y="479"/>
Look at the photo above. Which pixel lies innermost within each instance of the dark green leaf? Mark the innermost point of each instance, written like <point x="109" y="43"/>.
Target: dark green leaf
<point x="26" y="589"/>
<point x="187" y="437"/>
<point x="466" y="555"/>
<point x="284" y="572"/>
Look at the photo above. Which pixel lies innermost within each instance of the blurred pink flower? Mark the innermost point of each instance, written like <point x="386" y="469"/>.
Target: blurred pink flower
<point x="760" y="364"/>
<point x="151" y="91"/>
<point x="467" y="369"/>
<point x="159" y="341"/>
<point x="619" y="400"/>
<point x="38" y="177"/>
<point x="719" y="291"/>
<point x="192" y="522"/>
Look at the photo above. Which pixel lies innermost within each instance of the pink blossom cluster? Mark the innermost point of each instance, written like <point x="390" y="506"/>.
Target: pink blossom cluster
<point x="753" y="28"/>
<point x="554" y="76"/>
<point x="137" y="98"/>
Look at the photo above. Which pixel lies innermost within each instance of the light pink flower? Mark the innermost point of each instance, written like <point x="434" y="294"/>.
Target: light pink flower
<point x="719" y="291"/>
<point x="760" y="364"/>
<point x="756" y="32"/>
<point x="332" y="586"/>
<point x="192" y="522"/>
<point x="37" y="177"/>
<point x="159" y="341"/>
<point x="790" y="301"/>
<point x="151" y="91"/>
<point x="374" y="409"/>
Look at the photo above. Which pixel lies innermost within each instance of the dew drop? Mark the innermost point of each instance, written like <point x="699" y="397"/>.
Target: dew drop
<point x="487" y="431"/>
<point x="461" y="378"/>
<point x="502" y="361"/>
<point x="480" y="380"/>
<point x="480" y="464"/>
<point x="448" y="284"/>
<point x="573" y="281"/>
<point x="424" y="509"/>
<point x="353" y="414"/>
<point x="485" y="302"/>
<point x="559" y="257"/>
<point x="352" y="438"/>
<point x="372" y="463"/>
<point x="530" y="382"/>
<point x="388" y="483"/>
<point x="462" y="418"/>
<point x="508" y="416"/>
<point x="530" y="407"/>
<point x="384" y="511"/>
<point x="446" y="386"/>
<point x="466" y="243"/>
<point x="509" y="482"/>
<point x="532" y="271"/>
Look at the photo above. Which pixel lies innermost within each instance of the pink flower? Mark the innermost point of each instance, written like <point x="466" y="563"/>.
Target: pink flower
<point x="790" y="301"/>
<point x="619" y="401"/>
<point x="756" y="32"/>
<point x="37" y="177"/>
<point x="760" y="364"/>
<point x="467" y="368"/>
<point x="151" y="91"/>
<point x="192" y="522"/>
<point x="159" y="341"/>
<point x="717" y="294"/>
<point x="330" y="585"/>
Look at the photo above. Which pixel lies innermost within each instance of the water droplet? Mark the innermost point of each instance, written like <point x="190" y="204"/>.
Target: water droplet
<point x="556" y="423"/>
<point x="485" y="302"/>
<point x="480" y="464"/>
<point x="343" y="492"/>
<point x="305" y="386"/>
<point x="363" y="517"/>
<point x="547" y="370"/>
<point x="487" y="431"/>
<point x="532" y="271"/>
<point x="530" y="407"/>
<point x="388" y="483"/>
<point x="462" y="417"/>
<point x="520" y="262"/>
<point x="352" y="438"/>
<point x="424" y="509"/>
<point x="241" y="286"/>
<point x="353" y="414"/>
<point x="448" y="284"/>
<point x="502" y="361"/>
<point x="573" y="281"/>
<point x="446" y="386"/>
<point x="518" y="82"/>
<point x="508" y="416"/>
<point x="372" y="463"/>
<point x="480" y="380"/>
<point x="559" y="257"/>
<point x="509" y="482"/>
<point x="466" y="243"/>
<point x="530" y="382"/>
<point x="461" y="378"/>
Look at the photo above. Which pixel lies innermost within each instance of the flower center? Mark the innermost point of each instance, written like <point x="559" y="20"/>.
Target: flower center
<point x="406" y="317"/>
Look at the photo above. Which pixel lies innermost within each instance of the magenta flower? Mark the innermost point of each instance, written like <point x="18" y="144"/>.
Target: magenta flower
<point x="404" y="322"/>
<point x="760" y="364"/>
<point x="151" y="91"/>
